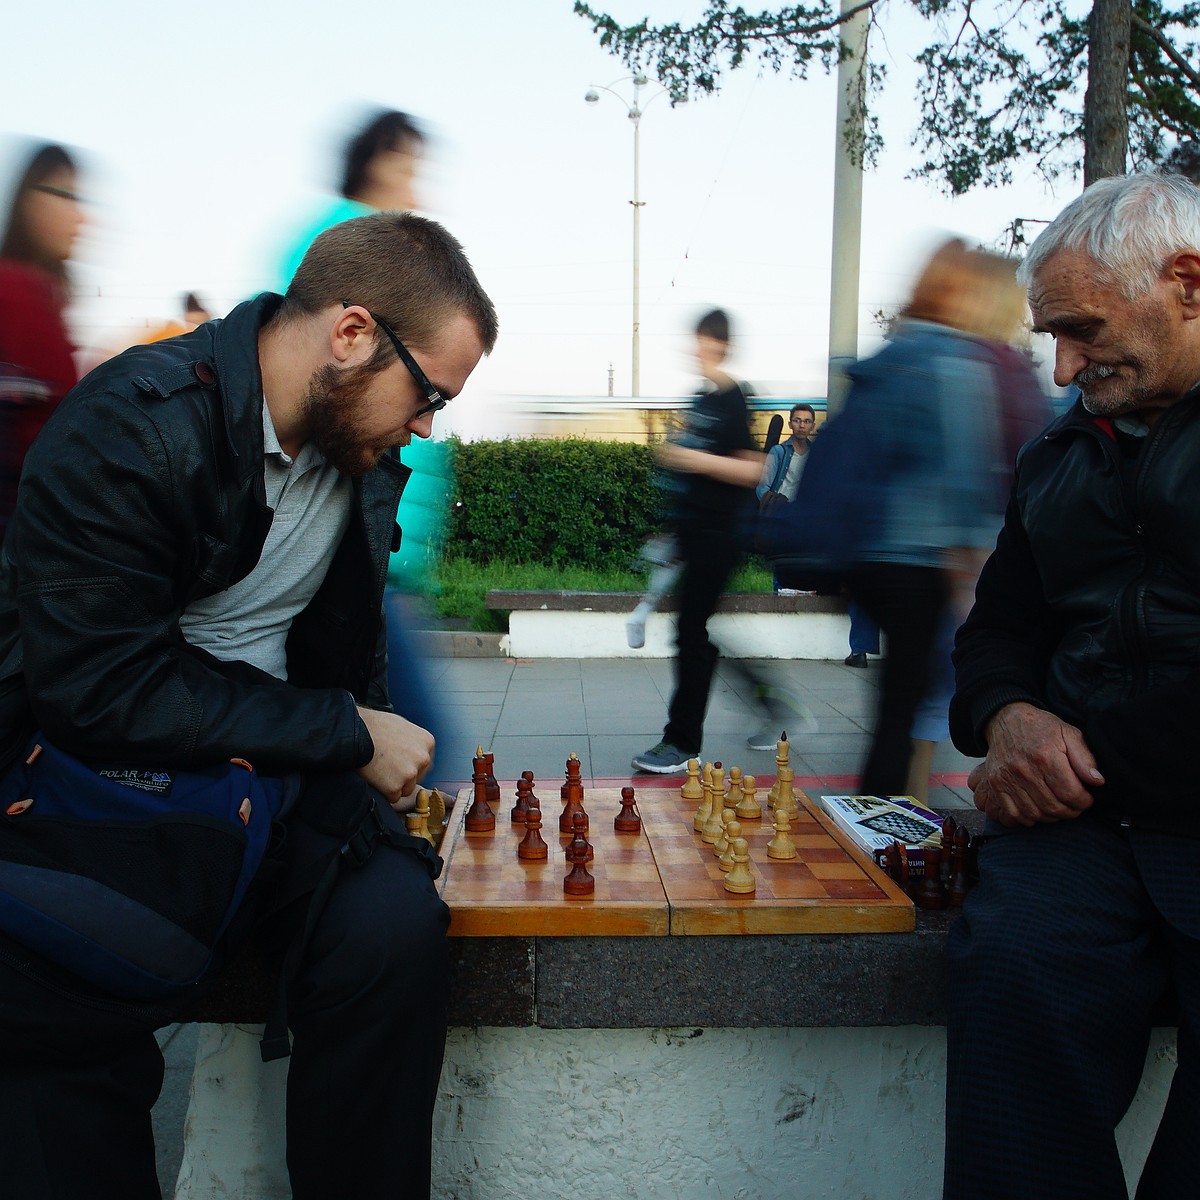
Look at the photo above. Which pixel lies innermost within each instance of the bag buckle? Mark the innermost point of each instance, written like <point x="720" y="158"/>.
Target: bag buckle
<point x="360" y="845"/>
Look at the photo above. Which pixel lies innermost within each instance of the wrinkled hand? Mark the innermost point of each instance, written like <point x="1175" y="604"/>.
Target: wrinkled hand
<point x="403" y="753"/>
<point x="1038" y="768"/>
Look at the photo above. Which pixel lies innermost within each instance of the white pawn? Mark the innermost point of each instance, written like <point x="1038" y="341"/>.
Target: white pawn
<point x="781" y="845"/>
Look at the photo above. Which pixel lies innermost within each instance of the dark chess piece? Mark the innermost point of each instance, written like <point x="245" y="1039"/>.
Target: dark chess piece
<point x="949" y="829"/>
<point x="957" y="891"/>
<point x="627" y="820"/>
<point x="524" y="787"/>
<point x="480" y="818"/>
<point x="573" y="795"/>
<point x="931" y="894"/>
<point x="493" y="788"/>
<point x="580" y="882"/>
<point x="533" y="846"/>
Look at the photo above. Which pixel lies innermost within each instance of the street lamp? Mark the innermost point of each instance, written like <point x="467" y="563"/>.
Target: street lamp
<point x="634" y="111"/>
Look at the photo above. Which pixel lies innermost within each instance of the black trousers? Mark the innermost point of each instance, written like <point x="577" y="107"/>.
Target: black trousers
<point x="80" y="1073"/>
<point x="1054" y="970"/>
<point x="710" y="556"/>
<point x="906" y="602"/>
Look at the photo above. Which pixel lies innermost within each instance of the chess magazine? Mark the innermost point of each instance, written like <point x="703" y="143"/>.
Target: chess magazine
<point x="875" y="822"/>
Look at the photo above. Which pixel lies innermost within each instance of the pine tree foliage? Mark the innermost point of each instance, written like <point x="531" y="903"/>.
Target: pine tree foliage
<point x="1001" y="81"/>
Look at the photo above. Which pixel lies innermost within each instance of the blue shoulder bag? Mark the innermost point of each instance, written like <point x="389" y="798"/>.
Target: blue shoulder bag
<point x="128" y="877"/>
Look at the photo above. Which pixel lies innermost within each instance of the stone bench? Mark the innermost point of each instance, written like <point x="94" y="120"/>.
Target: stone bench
<point x="778" y="1066"/>
<point x="746" y="625"/>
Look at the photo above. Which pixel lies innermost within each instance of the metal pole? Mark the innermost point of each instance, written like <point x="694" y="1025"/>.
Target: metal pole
<point x="635" y="115"/>
<point x="847" y="208"/>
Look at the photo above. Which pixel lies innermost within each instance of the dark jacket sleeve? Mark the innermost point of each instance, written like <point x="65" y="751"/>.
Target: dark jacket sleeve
<point x="102" y="536"/>
<point x="1003" y="648"/>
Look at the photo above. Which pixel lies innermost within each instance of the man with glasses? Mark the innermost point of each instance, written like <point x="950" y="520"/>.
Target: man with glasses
<point x="195" y="571"/>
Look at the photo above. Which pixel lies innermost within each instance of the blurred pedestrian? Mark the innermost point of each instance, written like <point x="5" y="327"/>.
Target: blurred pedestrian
<point x="977" y="294"/>
<point x="711" y="470"/>
<point x="37" y="366"/>
<point x="924" y="496"/>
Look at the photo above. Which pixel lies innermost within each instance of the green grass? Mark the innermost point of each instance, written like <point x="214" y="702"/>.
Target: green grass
<point x="463" y="585"/>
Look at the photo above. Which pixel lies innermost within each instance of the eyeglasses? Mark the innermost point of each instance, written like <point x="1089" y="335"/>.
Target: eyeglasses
<point x="436" y="401"/>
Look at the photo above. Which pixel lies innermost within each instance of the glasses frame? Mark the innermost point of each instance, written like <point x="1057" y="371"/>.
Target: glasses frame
<point x="435" y="401"/>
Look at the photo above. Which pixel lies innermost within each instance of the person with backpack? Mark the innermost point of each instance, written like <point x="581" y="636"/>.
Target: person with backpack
<point x="190" y="628"/>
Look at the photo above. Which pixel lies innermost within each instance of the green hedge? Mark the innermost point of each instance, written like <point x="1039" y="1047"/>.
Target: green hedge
<point x="536" y="500"/>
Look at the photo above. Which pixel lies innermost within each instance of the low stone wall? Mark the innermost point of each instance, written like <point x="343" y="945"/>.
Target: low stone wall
<point x="541" y="623"/>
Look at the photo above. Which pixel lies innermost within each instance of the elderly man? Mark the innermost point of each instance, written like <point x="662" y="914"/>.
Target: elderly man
<point x="1079" y="679"/>
<point x="194" y="575"/>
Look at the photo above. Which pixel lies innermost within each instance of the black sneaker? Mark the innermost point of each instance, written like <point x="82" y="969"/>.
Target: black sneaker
<point x="855" y="660"/>
<point x="663" y="759"/>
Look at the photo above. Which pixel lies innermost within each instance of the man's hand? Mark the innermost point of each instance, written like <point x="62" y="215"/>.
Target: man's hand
<point x="1037" y="769"/>
<point x="403" y="753"/>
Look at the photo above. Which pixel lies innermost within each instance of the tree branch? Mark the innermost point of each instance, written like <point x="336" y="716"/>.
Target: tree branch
<point x="1167" y="47"/>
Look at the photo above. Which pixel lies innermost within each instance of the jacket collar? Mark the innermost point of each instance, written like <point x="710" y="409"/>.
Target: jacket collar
<point x="236" y="351"/>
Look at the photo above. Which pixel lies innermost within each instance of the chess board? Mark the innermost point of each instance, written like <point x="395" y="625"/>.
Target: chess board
<point x="663" y="880"/>
<point x="493" y="893"/>
<point x="830" y="887"/>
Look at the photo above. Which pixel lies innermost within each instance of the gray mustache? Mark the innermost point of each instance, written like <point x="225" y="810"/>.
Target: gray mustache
<point x="1093" y="373"/>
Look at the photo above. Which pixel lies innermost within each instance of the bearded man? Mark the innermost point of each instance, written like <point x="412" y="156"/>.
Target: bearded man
<point x="195" y="574"/>
<point x="1079" y="679"/>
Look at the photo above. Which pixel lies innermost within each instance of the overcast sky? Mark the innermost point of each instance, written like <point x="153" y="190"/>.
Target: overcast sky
<point x="212" y="127"/>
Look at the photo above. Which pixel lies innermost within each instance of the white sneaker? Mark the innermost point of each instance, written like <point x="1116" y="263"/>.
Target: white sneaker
<point x="635" y="632"/>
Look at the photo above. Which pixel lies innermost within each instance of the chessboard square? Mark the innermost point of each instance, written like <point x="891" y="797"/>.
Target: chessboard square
<point x="837" y="870"/>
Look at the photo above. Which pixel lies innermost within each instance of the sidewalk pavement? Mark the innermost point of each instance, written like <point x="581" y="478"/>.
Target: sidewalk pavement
<point x="533" y="713"/>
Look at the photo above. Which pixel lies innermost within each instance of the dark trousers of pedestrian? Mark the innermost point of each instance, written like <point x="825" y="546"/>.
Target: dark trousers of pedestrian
<point x="710" y="555"/>
<point x="1073" y="936"/>
<point x="906" y="602"/>
<point x="79" y="1073"/>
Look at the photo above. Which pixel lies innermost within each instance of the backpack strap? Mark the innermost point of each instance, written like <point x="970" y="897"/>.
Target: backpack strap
<point x="354" y="853"/>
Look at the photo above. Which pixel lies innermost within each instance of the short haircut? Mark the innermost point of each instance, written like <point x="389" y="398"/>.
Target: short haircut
<point x="407" y="269"/>
<point x="18" y="242"/>
<point x="387" y="131"/>
<point x="1129" y="225"/>
<point x="808" y="408"/>
<point x="714" y="324"/>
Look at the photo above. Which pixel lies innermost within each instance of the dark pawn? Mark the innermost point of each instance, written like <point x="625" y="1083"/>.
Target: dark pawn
<point x="533" y="846"/>
<point x="580" y="882"/>
<point x="931" y="894"/>
<point x="627" y="820"/>
<point x="524" y="788"/>
<point x="957" y="892"/>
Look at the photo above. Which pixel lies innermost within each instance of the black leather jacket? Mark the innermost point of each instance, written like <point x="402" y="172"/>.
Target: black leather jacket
<point x="143" y="494"/>
<point x="1090" y="608"/>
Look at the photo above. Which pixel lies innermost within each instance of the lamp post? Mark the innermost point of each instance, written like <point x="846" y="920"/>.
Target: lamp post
<point x="634" y="111"/>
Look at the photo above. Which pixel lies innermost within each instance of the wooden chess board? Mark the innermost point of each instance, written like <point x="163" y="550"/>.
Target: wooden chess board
<point x="493" y="893"/>
<point x="662" y="880"/>
<point x="831" y="887"/>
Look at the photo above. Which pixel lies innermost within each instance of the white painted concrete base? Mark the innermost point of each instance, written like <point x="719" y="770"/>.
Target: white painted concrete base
<point x="549" y="634"/>
<point x="233" y="1136"/>
<point x="740" y="1114"/>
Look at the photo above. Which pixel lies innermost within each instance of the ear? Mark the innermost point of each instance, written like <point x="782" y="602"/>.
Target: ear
<point x="1183" y="271"/>
<point x="353" y="333"/>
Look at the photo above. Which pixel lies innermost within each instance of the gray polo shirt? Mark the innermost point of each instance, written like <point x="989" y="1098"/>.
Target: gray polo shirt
<point x="250" y="621"/>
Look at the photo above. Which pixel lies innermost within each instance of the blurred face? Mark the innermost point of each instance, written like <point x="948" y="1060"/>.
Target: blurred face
<point x="391" y="177"/>
<point x="354" y="413"/>
<point x="1124" y="355"/>
<point x="802" y="424"/>
<point x="53" y="215"/>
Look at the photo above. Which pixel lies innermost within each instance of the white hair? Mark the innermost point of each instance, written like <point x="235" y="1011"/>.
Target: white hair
<point x="1130" y="226"/>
